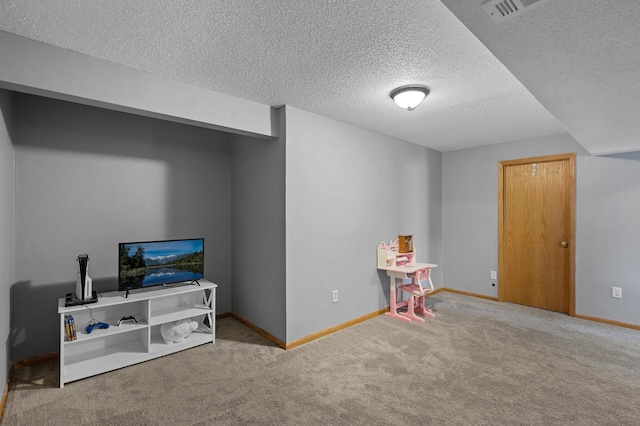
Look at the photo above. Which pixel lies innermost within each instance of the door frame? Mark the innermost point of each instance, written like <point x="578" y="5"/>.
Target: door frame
<point x="571" y="232"/>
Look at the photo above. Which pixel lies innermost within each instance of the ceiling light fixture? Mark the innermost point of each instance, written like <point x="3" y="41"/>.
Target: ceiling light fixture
<point x="409" y="97"/>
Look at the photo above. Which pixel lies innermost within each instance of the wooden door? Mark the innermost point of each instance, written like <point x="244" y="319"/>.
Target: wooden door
<point x="536" y="253"/>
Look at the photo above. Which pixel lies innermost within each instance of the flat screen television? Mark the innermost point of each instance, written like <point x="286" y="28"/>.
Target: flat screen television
<point x="152" y="263"/>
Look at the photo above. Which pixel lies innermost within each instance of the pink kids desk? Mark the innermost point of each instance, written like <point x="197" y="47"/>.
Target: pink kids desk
<point x="402" y="266"/>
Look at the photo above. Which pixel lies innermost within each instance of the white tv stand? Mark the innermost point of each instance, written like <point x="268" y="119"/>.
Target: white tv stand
<point x="130" y="343"/>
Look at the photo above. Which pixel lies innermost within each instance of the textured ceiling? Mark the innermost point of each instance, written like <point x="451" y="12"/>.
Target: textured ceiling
<point x="339" y="59"/>
<point x="579" y="58"/>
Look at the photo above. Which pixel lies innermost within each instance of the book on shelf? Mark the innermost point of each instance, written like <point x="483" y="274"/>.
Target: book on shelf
<point x="73" y="329"/>
<point x="67" y="328"/>
<point x="70" y="328"/>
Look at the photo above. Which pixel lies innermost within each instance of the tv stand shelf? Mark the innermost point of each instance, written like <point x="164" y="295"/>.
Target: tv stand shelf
<point x="130" y="343"/>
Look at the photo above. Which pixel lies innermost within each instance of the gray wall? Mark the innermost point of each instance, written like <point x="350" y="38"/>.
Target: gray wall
<point x="608" y="236"/>
<point x="607" y="223"/>
<point x="348" y="189"/>
<point x="7" y="207"/>
<point x="88" y="178"/>
<point x="258" y="229"/>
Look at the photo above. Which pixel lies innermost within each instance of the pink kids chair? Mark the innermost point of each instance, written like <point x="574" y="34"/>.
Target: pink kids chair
<point x="417" y="293"/>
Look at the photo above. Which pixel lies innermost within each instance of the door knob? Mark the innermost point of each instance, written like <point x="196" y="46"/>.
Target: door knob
<point x="565" y="244"/>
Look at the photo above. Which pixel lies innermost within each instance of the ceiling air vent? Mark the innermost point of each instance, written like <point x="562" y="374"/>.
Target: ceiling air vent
<point x="501" y="10"/>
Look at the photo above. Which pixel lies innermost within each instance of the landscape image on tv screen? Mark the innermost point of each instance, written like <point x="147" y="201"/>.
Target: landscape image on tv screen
<point x="145" y="264"/>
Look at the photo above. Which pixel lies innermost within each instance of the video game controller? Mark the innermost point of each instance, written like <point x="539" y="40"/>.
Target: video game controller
<point x="129" y="318"/>
<point x="90" y="327"/>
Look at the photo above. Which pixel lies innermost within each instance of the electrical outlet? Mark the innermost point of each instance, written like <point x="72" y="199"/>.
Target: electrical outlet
<point x="494" y="275"/>
<point x="616" y="292"/>
<point x="335" y="296"/>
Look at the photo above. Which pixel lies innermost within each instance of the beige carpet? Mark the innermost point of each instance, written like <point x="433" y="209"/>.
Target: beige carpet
<point x="477" y="363"/>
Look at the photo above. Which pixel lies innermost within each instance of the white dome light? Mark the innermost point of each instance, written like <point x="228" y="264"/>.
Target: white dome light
<point x="409" y="97"/>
